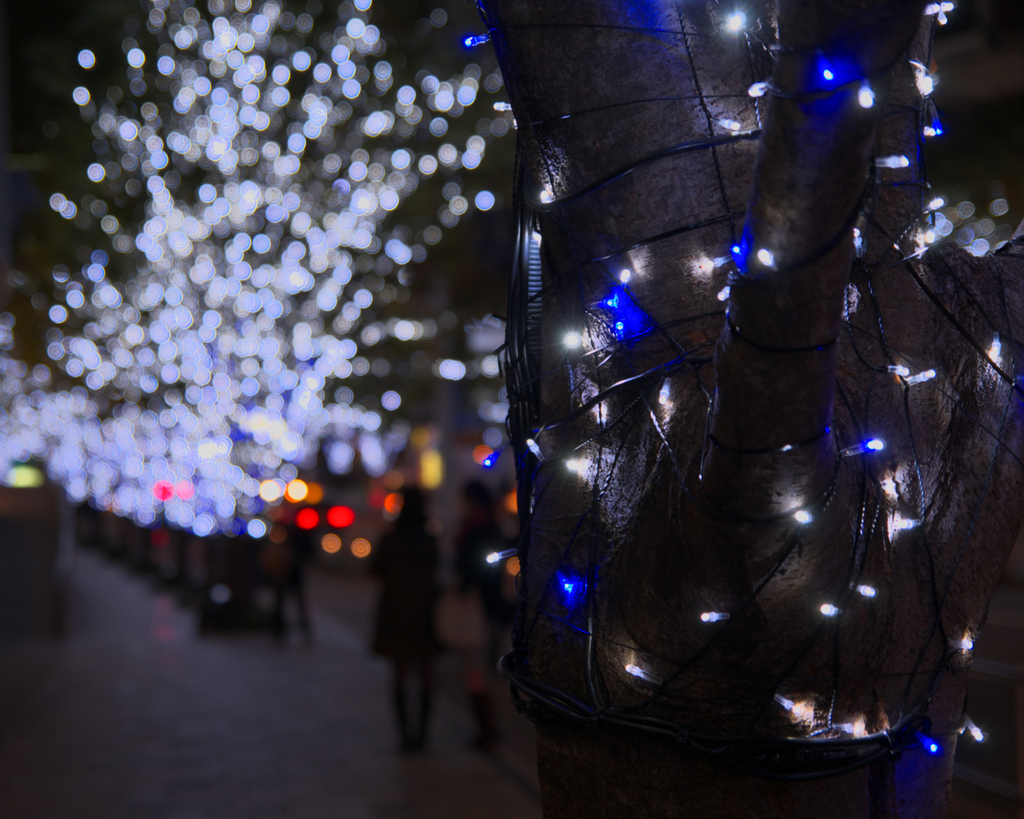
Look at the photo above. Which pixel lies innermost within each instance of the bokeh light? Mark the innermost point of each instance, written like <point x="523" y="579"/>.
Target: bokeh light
<point x="361" y="547"/>
<point x="340" y="516"/>
<point x="307" y="518"/>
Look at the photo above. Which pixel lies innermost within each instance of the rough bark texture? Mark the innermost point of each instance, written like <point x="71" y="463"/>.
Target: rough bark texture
<point x="675" y="535"/>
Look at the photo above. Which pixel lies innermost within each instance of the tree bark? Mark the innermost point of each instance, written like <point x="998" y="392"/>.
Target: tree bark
<point x="684" y="506"/>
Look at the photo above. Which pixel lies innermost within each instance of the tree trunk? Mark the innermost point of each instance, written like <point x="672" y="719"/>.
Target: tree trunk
<point x="678" y="442"/>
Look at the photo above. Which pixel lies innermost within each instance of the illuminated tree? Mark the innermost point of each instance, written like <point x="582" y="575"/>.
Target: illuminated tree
<point x="769" y="441"/>
<point x="270" y="155"/>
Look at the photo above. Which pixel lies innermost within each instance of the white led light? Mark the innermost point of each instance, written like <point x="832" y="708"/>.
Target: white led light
<point x="995" y="351"/>
<point x="729" y="124"/>
<point x="867" y="591"/>
<point x="532" y="446"/>
<point x="736" y="21"/>
<point x="866" y="97"/>
<point x="625" y="276"/>
<point x="758" y="89"/>
<point x="935" y="204"/>
<point x="892" y="162"/>
<point x="665" y="393"/>
<point x="637" y="671"/>
<point x="899" y="370"/>
<point x="966" y="644"/>
<point x="921" y="377"/>
<point x="974" y="730"/>
<point x="766" y="257"/>
<point x="546" y="197"/>
<point x="576" y="465"/>
<point x="494" y="557"/>
<point x="803" y="516"/>
<point x="502" y="106"/>
<point x="714" y="616"/>
<point x="572" y="340"/>
<point x="829" y="610"/>
<point x="723" y="294"/>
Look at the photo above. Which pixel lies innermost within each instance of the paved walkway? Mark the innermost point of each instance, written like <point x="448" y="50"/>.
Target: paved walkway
<point x="135" y="715"/>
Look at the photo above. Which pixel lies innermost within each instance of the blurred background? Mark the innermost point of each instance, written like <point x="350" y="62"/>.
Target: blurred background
<point x="252" y="278"/>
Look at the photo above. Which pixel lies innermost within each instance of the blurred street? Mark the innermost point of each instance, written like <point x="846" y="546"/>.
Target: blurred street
<point x="136" y="715"/>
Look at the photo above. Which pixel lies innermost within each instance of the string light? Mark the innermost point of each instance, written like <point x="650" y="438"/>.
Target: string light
<point x="472" y="40"/>
<point x="903" y="524"/>
<point x="625" y="276"/>
<point x="736" y="21"/>
<point x="921" y="377"/>
<point x="929" y="744"/>
<point x="576" y="465"/>
<point x="872" y="445"/>
<point x="974" y="730"/>
<point x="995" y="351"/>
<point x="532" y="445"/>
<point x="800" y="710"/>
<point x="637" y="671"/>
<point x="495" y="557"/>
<point x="892" y="162"/>
<point x="502" y="106"/>
<point x="866" y="97"/>
<point x="572" y="340"/>
<point x="838" y="74"/>
<point x="966" y="644"/>
<point x="665" y="393"/>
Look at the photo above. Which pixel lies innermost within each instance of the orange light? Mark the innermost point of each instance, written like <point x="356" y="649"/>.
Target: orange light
<point x="340" y="516"/>
<point x="393" y="503"/>
<point x="279" y="534"/>
<point x="296" y="491"/>
<point x="482" y="453"/>
<point x="331" y="543"/>
<point x="394" y="480"/>
<point x="307" y="518"/>
<point x="512" y="503"/>
<point x="512" y="566"/>
<point x="361" y="547"/>
<point x="315" y="493"/>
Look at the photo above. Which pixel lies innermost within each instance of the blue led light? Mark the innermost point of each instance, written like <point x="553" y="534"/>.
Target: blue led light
<point x="572" y="587"/>
<point x="929" y="744"/>
<point x="475" y="39"/>
<point x="491" y="459"/>
<point x="630" y="321"/>
<point x="827" y="74"/>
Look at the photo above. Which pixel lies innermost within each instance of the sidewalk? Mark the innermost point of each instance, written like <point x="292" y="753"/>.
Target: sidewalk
<point x="136" y="716"/>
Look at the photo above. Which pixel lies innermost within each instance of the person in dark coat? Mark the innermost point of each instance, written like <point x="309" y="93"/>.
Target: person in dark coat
<point x="406" y="561"/>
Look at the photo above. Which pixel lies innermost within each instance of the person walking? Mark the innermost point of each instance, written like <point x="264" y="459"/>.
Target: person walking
<point x="406" y="562"/>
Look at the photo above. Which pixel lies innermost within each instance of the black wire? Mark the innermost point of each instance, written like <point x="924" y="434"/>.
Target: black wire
<point x="546" y="704"/>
